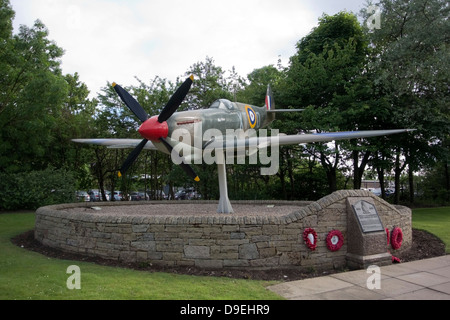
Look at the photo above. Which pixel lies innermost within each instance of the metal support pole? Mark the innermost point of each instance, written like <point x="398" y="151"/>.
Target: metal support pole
<point x="224" y="202"/>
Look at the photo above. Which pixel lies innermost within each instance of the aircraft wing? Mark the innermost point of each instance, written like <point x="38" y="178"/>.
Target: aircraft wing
<point x="264" y="142"/>
<point x="254" y="142"/>
<point x="331" y="136"/>
<point x="117" y="143"/>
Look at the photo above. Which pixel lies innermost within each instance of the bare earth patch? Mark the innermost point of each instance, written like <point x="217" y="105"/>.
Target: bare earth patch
<point x="425" y="245"/>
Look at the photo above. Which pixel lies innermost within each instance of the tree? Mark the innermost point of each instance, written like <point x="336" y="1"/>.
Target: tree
<point x="209" y="85"/>
<point x="327" y="74"/>
<point x="74" y="121"/>
<point x="40" y="111"/>
<point x="32" y="92"/>
<point x="411" y="70"/>
<point x="113" y="120"/>
<point x="6" y="52"/>
<point x="248" y="175"/>
<point x="255" y="91"/>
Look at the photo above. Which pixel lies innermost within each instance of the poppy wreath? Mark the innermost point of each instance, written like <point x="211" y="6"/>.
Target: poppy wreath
<point x="396" y="238"/>
<point x="310" y="238"/>
<point x="334" y="240"/>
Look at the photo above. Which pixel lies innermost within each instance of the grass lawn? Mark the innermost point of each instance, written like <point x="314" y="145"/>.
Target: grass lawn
<point x="28" y="275"/>
<point x="434" y="220"/>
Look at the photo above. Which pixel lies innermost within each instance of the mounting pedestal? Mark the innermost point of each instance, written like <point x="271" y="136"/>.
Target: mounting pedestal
<point x="224" y="202"/>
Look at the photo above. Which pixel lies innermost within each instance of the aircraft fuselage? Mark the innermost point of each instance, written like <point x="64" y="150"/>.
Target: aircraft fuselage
<point x="222" y="116"/>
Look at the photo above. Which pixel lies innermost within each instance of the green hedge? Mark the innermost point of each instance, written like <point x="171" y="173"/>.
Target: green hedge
<point x="31" y="190"/>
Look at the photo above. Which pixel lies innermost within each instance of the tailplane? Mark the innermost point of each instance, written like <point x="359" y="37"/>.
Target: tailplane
<point x="270" y="104"/>
<point x="270" y="107"/>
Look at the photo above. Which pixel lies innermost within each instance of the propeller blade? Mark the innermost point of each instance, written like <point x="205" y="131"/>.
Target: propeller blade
<point x="187" y="168"/>
<point x="131" y="103"/>
<point x="175" y="100"/>
<point x="132" y="157"/>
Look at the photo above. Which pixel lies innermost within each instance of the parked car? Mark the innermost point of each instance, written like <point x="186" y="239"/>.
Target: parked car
<point x="118" y="196"/>
<point x="159" y="195"/>
<point x="134" y="196"/>
<point x="187" y="194"/>
<point x="180" y="195"/>
<point x="83" y="196"/>
<point x="95" y="195"/>
<point x="139" y="196"/>
<point x="375" y="191"/>
<point x="192" y="194"/>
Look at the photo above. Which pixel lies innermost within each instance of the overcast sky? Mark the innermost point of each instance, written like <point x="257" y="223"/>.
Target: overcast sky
<point x="115" y="40"/>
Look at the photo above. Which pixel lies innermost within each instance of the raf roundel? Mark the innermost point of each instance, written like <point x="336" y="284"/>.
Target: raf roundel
<point x="251" y="115"/>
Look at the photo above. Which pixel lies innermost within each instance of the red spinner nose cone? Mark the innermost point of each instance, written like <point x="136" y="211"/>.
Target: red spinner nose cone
<point x="153" y="130"/>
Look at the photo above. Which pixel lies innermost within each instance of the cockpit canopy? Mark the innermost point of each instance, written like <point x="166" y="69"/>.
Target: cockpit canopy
<point x="223" y="104"/>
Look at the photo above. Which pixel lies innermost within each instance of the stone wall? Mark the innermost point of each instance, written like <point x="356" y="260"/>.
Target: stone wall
<point x="226" y="241"/>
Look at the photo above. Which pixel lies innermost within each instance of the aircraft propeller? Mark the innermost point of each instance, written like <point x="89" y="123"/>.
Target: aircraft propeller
<point x="155" y="128"/>
<point x="131" y="103"/>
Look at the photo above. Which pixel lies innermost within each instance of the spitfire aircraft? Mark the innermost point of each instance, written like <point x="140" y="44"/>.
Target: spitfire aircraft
<point x="225" y="128"/>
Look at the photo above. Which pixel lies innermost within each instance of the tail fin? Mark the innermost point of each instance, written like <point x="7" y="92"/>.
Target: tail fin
<point x="270" y="103"/>
<point x="270" y="107"/>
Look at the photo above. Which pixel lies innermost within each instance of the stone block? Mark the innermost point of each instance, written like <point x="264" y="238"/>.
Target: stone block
<point x="144" y="245"/>
<point x="248" y="251"/>
<point x="141" y="256"/>
<point x="229" y="248"/>
<point x="365" y="246"/>
<point x="267" y="252"/>
<point x="265" y="263"/>
<point x="230" y="228"/>
<point x="153" y="255"/>
<point x="209" y="264"/>
<point x="139" y="228"/>
<point x="269" y="229"/>
<point x="172" y="256"/>
<point x="127" y="256"/>
<point x="237" y="235"/>
<point x="197" y="252"/>
<point x="169" y="246"/>
<point x="146" y="236"/>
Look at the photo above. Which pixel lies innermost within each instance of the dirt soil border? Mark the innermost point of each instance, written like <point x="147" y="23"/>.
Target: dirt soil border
<point x="425" y="245"/>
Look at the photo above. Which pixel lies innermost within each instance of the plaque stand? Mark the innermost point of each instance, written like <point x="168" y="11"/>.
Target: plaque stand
<point x="367" y="244"/>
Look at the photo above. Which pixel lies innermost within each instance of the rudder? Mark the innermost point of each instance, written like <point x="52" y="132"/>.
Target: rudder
<point x="270" y="103"/>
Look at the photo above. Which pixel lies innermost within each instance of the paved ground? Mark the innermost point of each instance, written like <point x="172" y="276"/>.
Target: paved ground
<point x="427" y="279"/>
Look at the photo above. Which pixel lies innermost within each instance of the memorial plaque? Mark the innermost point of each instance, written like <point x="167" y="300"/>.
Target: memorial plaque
<point x="368" y="217"/>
